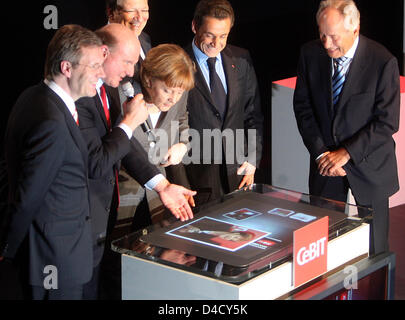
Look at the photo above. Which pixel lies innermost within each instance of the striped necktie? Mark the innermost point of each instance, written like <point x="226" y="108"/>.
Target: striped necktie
<point x="338" y="78"/>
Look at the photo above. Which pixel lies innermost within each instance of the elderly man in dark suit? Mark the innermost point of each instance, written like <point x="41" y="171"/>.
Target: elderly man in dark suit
<point x="226" y="102"/>
<point x="346" y="103"/>
<point x="47" y="162"/>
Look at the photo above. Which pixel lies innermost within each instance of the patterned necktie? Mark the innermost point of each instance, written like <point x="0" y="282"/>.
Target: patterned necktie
<point x="217" y="89"/>
<point x="338" y="78"/>
<point x="103" y="96"/>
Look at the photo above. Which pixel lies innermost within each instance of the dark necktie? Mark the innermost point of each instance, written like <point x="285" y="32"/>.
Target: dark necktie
<point x="218" y="93"/>
<point x="338" y="78"/>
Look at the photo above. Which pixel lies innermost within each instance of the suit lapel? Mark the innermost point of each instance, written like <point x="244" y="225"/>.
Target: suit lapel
<point x="162" y="117"/>
<point x="100" y="109"/>
<point x="145" y="42"/>
<point x="199" y="81"/>
<point x="356" y="68"/>
<point x="325" y="79"/>
<point x="115" y="104"/>
<point x="202" y="85"/>
<point x="71" y="125"/>
<point x="230" y="68"/>
<point x="146" y="46"/>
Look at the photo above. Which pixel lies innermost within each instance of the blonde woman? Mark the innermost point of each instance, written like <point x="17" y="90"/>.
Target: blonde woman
<point x="166" y="76"/>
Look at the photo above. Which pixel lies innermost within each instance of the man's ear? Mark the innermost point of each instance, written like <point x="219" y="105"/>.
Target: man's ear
<point x="193" y="28"/>
<point x="357" y="31"/>
<point x="66" y="68"/>
<point x="106" y="51"/>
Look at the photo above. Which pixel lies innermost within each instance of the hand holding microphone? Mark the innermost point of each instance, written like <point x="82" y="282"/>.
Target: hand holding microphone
<point x="135" y="110"/>
<point x="129" y="92"/>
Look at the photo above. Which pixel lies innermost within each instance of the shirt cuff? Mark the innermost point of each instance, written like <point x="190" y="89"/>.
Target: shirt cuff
<point x="152" y="183"/>
<point x="126" y="129"/>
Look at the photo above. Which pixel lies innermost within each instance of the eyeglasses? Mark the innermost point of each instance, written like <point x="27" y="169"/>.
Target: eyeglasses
<point x="133" y="11"/>
<point x="94" y="67"/>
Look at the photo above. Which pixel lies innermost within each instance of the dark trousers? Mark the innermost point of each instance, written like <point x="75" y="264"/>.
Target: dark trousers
<point x="11" y="282"/>
<point x="209" y="188"/>
<point x="91" y="288"/>
<point x="379" y="227"/>
<point x="336" y="188"/>
<point x="142" y="217"/>
<point x="110" y="275"/>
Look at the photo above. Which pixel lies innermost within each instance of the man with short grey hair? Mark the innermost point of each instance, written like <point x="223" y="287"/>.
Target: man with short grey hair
<point x="47" y="162"/>
<point x="346" y="103"/>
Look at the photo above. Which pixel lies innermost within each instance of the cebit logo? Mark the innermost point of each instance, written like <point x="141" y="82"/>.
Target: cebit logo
<point x="315" y="250"/>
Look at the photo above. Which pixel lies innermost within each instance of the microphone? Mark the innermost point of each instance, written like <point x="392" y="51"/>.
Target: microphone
<point x="129" y="92"/>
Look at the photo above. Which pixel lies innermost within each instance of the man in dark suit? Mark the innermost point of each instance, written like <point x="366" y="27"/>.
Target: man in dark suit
<point x="47" y="162"/>
<point x="231" y="109"/>
<point x="109" y="140"/>
<point x="346" y="103"/>
<point x="134" y="14"/>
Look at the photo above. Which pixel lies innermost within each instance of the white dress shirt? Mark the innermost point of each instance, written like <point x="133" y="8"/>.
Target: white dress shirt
<point x="66" y="98"/>
<point x="202" y="58"/>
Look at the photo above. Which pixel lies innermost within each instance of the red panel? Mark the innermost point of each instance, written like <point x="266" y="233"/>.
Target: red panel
<point x="290" y="82"/>
<point x="402" y="79"/>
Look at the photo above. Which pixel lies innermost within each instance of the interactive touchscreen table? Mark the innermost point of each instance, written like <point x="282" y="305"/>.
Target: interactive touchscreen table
<point x="240" y="236"/>
<point x="244" y="231"/>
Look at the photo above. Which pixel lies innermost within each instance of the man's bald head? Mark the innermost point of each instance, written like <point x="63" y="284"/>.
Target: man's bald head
<point x="123" y="54"/>
<point x="115" y="34"/>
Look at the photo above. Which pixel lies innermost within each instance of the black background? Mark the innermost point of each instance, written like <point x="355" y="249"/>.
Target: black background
<point x="273" y="31"/>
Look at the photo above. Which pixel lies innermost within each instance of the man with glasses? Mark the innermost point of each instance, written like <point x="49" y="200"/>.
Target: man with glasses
<point x="47" y="161"/>
<point x="134" y="14"/>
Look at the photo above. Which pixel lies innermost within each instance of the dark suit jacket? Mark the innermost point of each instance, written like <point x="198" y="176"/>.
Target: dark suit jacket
<point x="106" y="149"/>
<point x="363" y="122"/>
<point x="145" y="41"/>
<point x="243" y="112"/>
<point x="146" y="45"/>
<point x="48" y="188"/>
